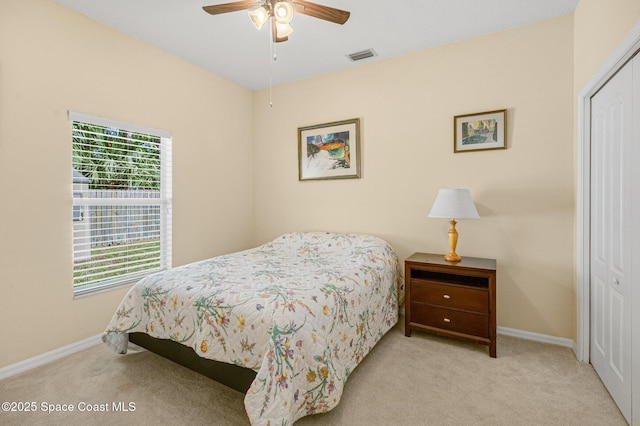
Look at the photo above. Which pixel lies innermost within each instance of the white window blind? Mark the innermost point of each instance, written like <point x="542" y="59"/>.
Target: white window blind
<point x="121" y="202"/>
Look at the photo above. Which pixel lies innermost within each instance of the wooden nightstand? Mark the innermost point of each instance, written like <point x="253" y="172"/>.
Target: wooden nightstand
<point x="451" y="299"/>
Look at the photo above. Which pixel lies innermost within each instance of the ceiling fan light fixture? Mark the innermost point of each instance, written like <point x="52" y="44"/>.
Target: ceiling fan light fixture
<point x="279" y="13"/>
<point x="283" y="12"/>
<point x="259" y="16"/>
<point x="283" y="29"/>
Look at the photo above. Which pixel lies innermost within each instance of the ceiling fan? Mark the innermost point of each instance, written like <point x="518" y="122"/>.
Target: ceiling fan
<point x="280" y="12"/>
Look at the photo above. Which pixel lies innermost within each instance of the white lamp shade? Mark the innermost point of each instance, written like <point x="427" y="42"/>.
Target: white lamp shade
<point x="283" y="30"/>
<point x="454" y="203"/>
<point x="283" y="12"/>
<point x="259" y="16"/>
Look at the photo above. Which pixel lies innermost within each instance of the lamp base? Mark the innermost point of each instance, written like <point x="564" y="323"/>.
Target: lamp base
<point x="453" y="241"/>
<point x="452" y="257"/>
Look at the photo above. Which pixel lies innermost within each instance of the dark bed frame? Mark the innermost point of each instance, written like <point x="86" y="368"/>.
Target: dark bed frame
<point x="236" y="377"/>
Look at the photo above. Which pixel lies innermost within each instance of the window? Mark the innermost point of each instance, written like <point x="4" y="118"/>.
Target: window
<point x="121" y="202"/>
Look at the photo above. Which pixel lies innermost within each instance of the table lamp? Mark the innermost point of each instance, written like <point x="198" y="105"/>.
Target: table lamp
<point x="452" y="204"/>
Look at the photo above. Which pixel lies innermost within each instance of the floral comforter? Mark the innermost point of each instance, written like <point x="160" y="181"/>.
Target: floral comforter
<point x="302" y="311"/>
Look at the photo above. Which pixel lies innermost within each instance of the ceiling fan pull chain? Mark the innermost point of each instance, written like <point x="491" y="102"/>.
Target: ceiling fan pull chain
<point x="272" y="48"/>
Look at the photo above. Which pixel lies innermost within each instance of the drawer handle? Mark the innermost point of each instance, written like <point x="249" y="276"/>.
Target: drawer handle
<point x="447" y="320"/>
<point x="446" y="296"/>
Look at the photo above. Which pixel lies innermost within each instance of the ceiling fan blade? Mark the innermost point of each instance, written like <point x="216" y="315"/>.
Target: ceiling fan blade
<point x="217" y="9"/>
<point x="322" y="12"/>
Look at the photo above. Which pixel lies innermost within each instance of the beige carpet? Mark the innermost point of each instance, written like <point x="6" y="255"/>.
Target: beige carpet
<point x="404" y="381"/>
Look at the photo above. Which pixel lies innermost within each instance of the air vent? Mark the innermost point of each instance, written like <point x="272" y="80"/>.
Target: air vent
<point x="358" y="56"/>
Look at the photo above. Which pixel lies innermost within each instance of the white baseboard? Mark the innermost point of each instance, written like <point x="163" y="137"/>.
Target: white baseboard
<point x="537" y="337"/>
<point x="528" y="335"/>
<point x="37" y="361"/>
<point x="45" y="358"/>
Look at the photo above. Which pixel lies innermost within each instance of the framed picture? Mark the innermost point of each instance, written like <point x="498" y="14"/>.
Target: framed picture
<point x="481" y="131"/>
<point x="329" y="151"/>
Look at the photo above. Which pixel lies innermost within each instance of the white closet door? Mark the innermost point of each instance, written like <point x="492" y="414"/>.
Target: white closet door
<point x="611" y="242"/>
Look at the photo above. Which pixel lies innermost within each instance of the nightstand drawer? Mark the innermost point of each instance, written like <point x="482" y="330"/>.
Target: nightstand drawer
<point x="448" y="319"/>
<point x="448" y="296"/>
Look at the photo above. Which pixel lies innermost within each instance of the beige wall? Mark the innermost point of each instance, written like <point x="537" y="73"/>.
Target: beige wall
<point x="525" y="194"/>
<point x="599" y="26"/>
<point x="53" y="60"/>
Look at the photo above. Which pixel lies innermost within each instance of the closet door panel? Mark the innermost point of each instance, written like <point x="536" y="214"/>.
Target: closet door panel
<point x="611" y="172"/>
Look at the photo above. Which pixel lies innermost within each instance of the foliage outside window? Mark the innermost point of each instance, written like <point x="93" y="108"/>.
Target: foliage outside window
<point x="122" y="203"/>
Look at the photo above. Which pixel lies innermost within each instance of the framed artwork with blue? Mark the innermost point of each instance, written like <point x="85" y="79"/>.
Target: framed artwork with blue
<point x="329" y="151"/>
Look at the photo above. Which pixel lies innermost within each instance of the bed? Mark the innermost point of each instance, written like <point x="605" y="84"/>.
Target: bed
<point x="301" y="312"/>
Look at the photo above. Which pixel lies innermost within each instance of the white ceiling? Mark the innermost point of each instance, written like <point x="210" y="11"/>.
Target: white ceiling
<point x="230" y="46"/>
